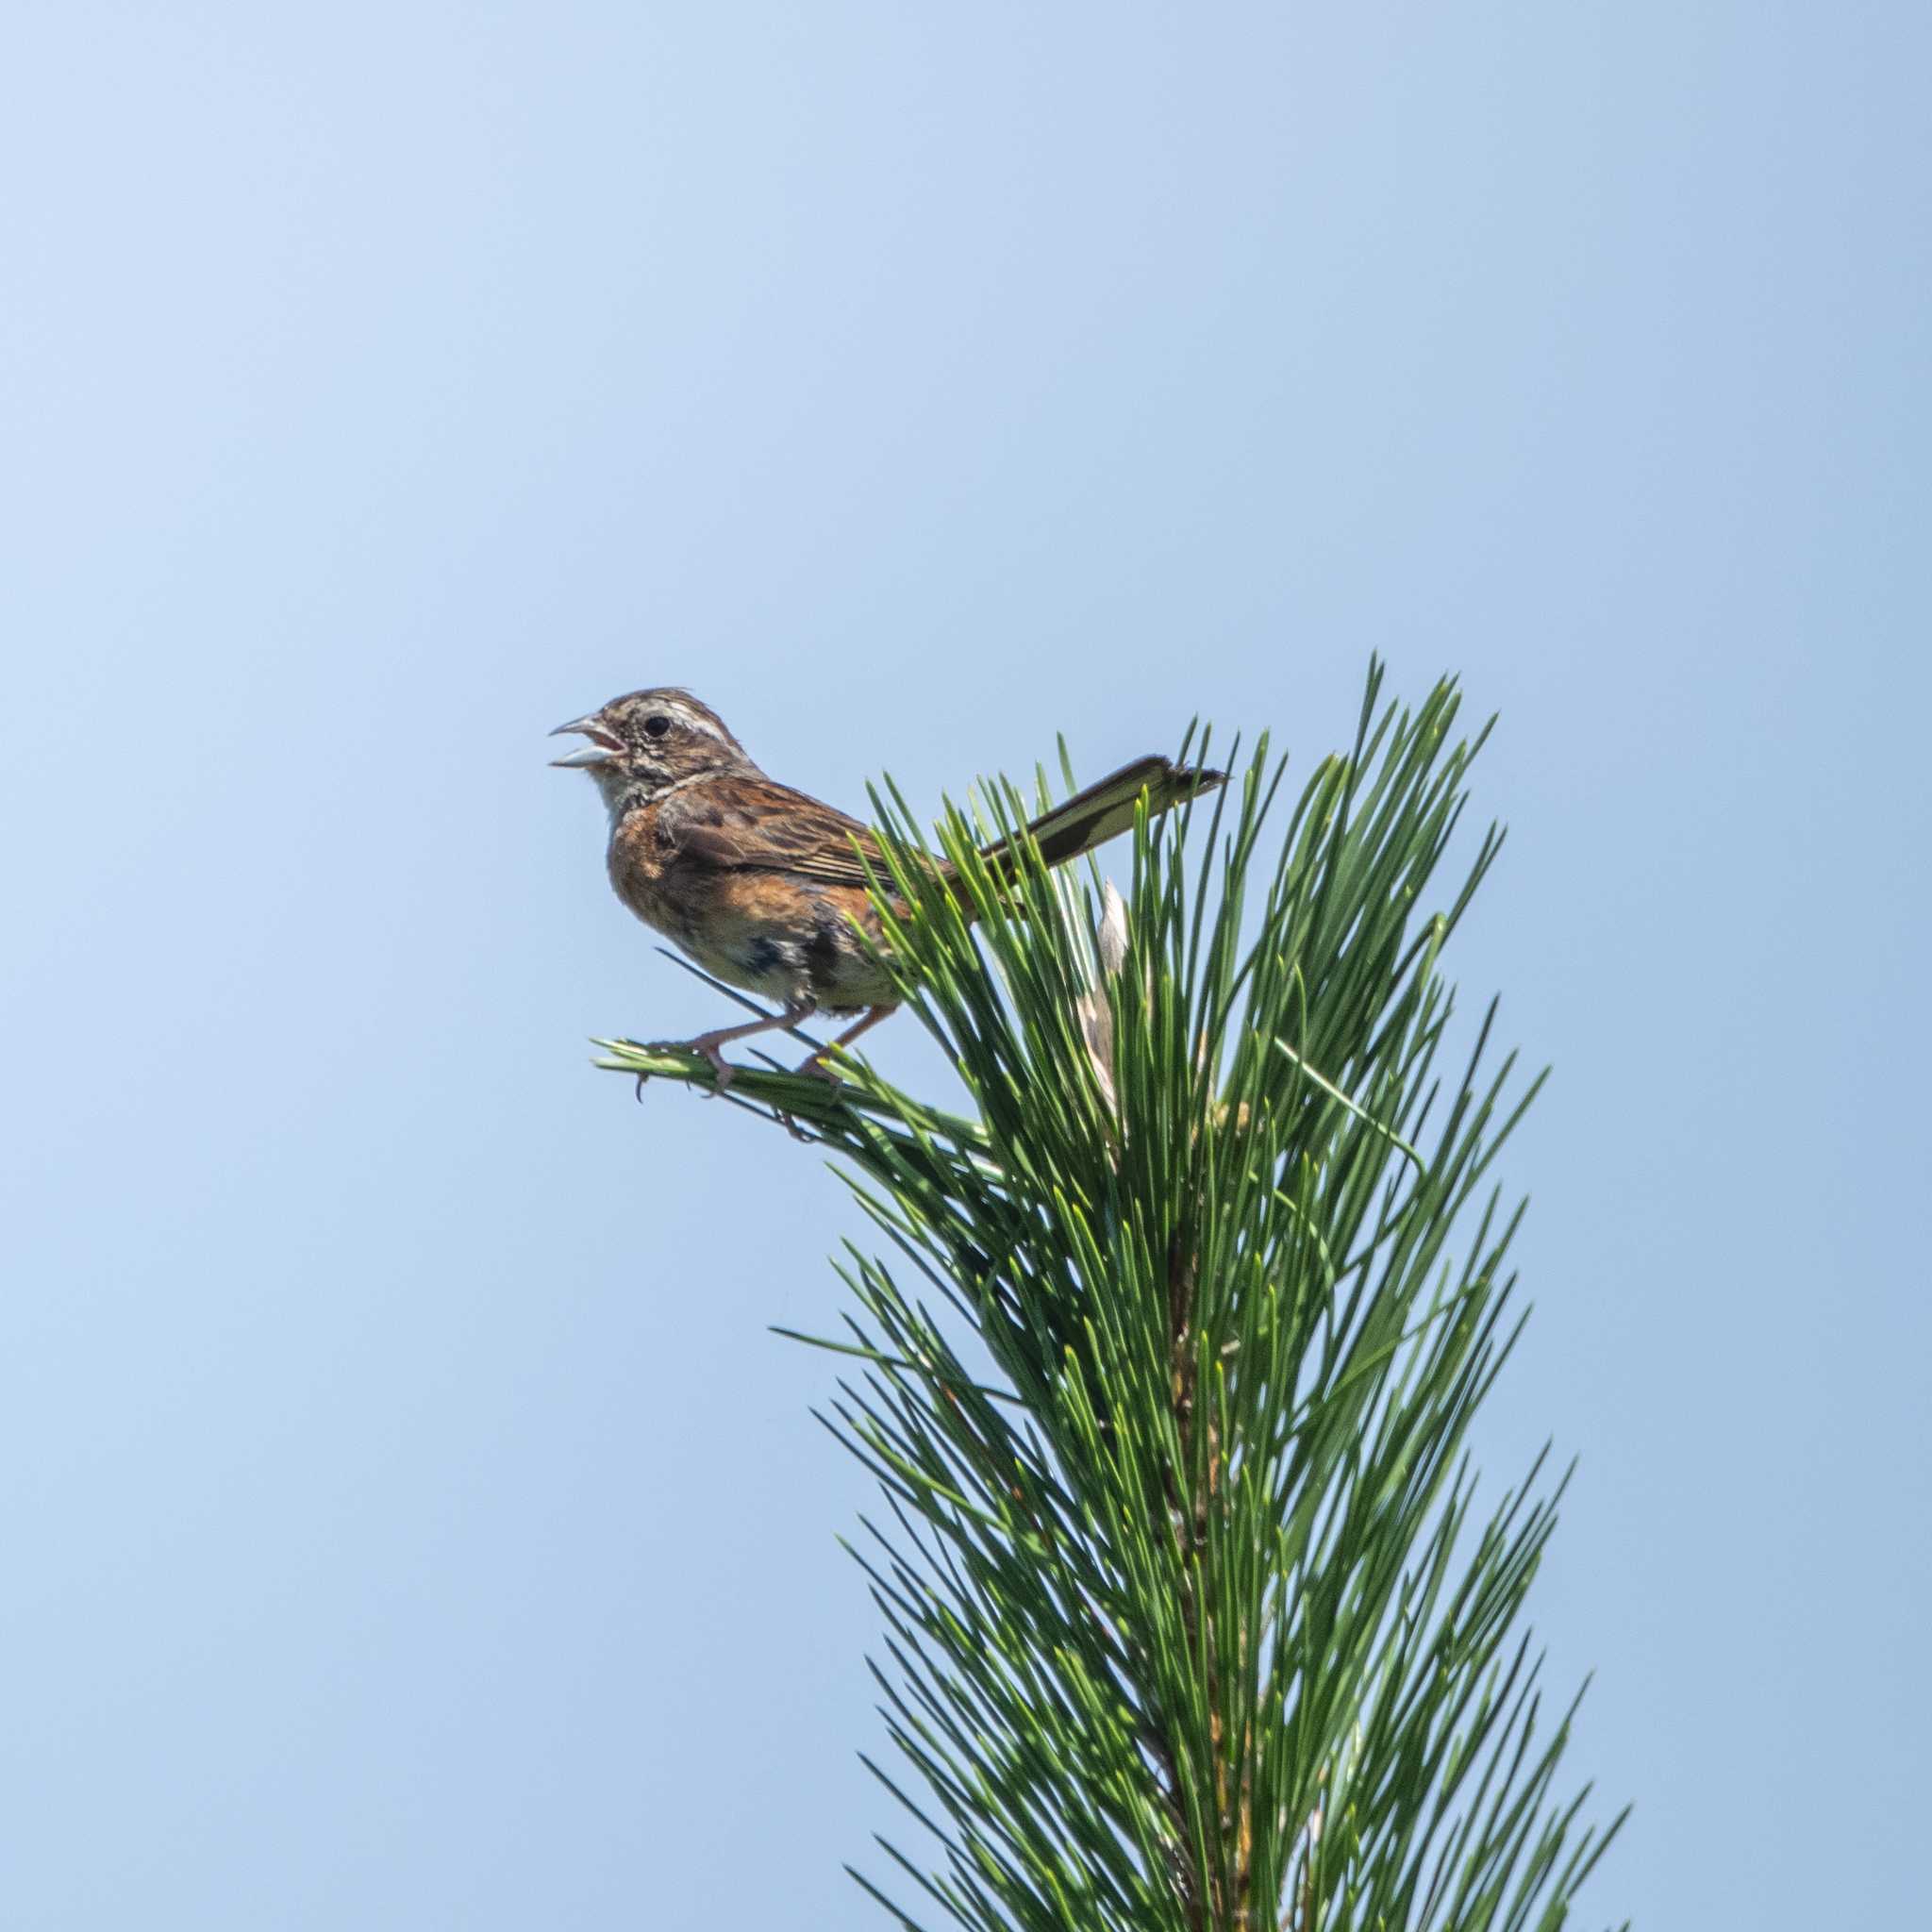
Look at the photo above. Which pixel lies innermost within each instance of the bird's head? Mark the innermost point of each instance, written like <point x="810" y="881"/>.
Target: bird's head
<point x="645" y="742"/>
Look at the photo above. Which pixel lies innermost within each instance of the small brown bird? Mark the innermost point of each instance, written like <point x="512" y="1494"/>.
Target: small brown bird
<point x="761" y="885"/>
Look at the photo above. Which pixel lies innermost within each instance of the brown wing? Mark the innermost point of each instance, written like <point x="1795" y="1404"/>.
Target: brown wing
<point x="766" y="827"/>
<point x="759" y="826"/>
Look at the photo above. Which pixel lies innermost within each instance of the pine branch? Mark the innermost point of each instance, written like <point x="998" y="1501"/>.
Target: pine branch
<point x="1167" y="1366"/>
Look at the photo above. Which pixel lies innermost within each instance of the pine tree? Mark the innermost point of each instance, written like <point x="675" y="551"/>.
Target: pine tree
<point x="1165" y="1370"/>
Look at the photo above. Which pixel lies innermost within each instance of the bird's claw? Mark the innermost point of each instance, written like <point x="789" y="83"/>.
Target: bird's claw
<point x="722" y="1069"/>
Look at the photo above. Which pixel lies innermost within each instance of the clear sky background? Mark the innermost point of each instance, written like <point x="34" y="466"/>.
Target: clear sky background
<point x="407" y="1518"/>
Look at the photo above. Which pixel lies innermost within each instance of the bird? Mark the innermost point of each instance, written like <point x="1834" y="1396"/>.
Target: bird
<point x="767" y="889"/>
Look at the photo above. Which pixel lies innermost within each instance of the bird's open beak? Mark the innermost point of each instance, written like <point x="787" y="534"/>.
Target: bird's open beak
<point x="602" y="748"/>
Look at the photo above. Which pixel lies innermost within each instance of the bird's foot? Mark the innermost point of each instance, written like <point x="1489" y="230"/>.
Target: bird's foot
<point x="705" y="1046"/>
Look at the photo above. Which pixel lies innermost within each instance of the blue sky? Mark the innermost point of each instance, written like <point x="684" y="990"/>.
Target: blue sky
<point x="409" y="1520"/>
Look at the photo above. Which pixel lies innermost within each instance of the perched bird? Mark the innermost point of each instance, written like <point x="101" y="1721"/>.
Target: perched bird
<point x="765" y="887"/>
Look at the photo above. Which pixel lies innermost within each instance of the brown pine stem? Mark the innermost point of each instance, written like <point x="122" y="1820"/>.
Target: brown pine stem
<point x="1190" y="1498"/>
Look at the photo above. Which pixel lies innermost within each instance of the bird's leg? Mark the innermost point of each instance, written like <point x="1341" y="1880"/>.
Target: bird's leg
<point x="795" y="1014"/>
<point x="816" y="1064"/>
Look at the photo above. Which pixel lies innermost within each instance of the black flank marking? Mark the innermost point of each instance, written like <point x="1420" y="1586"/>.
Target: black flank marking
<point x="822" y="951"/>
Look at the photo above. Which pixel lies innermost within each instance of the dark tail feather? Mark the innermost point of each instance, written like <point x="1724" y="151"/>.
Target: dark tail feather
<point x="1106" y="810"/>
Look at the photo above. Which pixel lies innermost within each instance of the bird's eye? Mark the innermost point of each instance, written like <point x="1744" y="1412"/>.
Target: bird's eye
<point x="657" y="726"/>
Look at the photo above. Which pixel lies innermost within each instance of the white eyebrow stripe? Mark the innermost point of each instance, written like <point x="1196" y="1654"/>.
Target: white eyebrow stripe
<point x="696" y="720"/>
